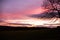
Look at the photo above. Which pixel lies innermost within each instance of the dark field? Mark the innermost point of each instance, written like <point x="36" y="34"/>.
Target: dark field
<point x="24" y="33"/>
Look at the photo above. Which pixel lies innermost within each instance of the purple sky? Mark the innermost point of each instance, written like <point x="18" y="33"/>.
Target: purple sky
<point x="21" y="7"/>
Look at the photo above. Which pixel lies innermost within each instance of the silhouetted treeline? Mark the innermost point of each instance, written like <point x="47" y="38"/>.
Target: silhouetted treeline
<point x="26" y="28"/>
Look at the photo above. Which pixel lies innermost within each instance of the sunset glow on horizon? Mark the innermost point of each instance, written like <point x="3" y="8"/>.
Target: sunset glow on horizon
<point x="31" y="22"/>
<point x="20" y="11"/>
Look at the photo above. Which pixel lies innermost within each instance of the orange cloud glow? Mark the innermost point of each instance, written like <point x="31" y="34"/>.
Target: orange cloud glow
<point x="23" y="14"/>
<point x="36" y="11"/>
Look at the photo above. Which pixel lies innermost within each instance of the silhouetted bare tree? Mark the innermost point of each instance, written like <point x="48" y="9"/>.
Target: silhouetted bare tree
<point x="53" y="5"/>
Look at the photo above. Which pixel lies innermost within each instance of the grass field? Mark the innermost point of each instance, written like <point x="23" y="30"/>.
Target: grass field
<point x="20" y="33"/>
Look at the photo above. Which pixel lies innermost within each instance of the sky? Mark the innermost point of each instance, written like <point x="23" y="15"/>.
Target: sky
<point x="22" y="9"/>
<point x="17" y="9"/>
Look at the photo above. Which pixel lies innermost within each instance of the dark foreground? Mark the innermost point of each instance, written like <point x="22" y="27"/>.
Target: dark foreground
<point x="11" y="33"/>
